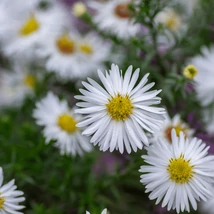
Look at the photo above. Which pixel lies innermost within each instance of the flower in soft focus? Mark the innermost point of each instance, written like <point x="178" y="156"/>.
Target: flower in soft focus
<point x="173" y="27"/>
<point x="16" y="85"/>
<point x="108" y="163"/>
<point x="79" y="9"/>
<point x="28" y="29"/>
<point x="190" y="71"/>
<point x="207" y="207"/>
<point x="103" y="212"/>
<point x="73" y="56"/>
<point x="117" y="113"/>
<point x="169" y="19"/>
<point x="204" y="79"/>
<point x="115" y="16"/>
<point x="10" y="197"/>
<point x="180" y="174"/>
<point x="60" y="124"/>
<point x="169" y="124"/>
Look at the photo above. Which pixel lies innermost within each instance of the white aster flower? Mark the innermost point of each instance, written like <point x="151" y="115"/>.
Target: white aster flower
<point x="73" y="56"/>
<point x="29" y="28"/>
<point x="60" y="125"/>
<point x="114" y="16"/>
<point x="117" y="113"/>
<point x="10" y="197"/>
<point x="16" y="85"/>
<point x="169" y="124"/>
<point x="103" y="212"/>
<point x="204" y="78"/>
<point x="180" y="174"/>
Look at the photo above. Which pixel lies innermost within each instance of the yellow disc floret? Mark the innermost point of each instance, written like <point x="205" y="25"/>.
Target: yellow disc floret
<point x="29" y="27"/>
<point x="86" y="48"/>
<point x="65" y="45"/>
<point x="190" y="71"/>
<point x="180" y="170"/>
<point x="30" y="80"/>
<point x="2" y="200"/>
<point x="67" y="123"/>
<point x="119" y="107"/>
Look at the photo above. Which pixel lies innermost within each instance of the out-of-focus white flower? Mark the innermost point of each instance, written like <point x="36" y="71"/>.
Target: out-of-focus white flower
<point x="204" y="79"/>
<point x="117" y="112"/>
<point x="60" y="124"/>
<point x="179" y="175"/>
<point x="73" y="56"/>
<point x="10" y="197"/>
<point x="15" y="85"/>
<point x="115" y="16"/>
<point x="26" y="30"/>
<point x="175" y="123"/>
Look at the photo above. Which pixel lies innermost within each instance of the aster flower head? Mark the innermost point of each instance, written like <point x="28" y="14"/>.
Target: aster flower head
<point x="115" y="16"/>
<point x="172" y="123"/>
<point x="103" y="212"/>
<point x="179" y="175"/>
<point x="16" y="85"/>
<point x="10" y="197"/>
<point x="71" y="55"/>
<point x="118" y="113"/>
<point x="204" y="78"/>
<point x="60" y="125"/>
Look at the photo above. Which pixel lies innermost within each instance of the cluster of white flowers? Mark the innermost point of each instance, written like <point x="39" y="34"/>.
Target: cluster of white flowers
<point x="118" y="111"/>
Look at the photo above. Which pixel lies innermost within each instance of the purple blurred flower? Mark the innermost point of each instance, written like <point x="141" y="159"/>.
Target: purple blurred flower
<point x="108" y="163"/>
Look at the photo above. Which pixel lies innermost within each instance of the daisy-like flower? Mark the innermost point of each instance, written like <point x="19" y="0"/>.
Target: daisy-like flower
<point x="103" y="212"/>
<point x="29" y="28"/>
<point x="180" y="174"/>
<point x="60" y="125"/>
<point x="115" y="16"/>
<point x="169" y="124"/>
<point x="190" y="71"/>
<point x="10" y="197"/>
<point x="15" y="85"/>
<point x="204" y="78"/>
<point x="117" y="113"/>
<point x="73" y="56"/>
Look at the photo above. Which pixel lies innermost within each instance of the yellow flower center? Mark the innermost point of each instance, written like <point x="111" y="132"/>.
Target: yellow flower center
<point x="30" y="80"/>
<point x="29" y="27"/>
<point x="67" y="123"/>
<point x="190" y="71"/>
<point x="173" y="21"/>
<point x="87" y="49"/>
<point x="180" y="170"/>
<point x="2" y="200"/>
<point x="122" y="11"/>
<point x="177" y="128"/>
<point x="119" y="107"/>
<point x="65" y="45"/>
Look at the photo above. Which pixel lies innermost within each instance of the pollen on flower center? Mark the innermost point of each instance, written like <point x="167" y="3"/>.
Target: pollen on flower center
<point x="67" y="123"/>
<point x="190" y="71"/>
<point x="30" y="80"/>
<point x="119" y="107"/>
<point x="65" y="45"/>
<point x="180" y="170"/>
<point x="2" y="200"/>
<point x="85" y="48"/>
<point x="177" y="128"/>
<point x="173" y="21"/>
<point x="29" y="27"/>
<point x="122" y="11"/>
